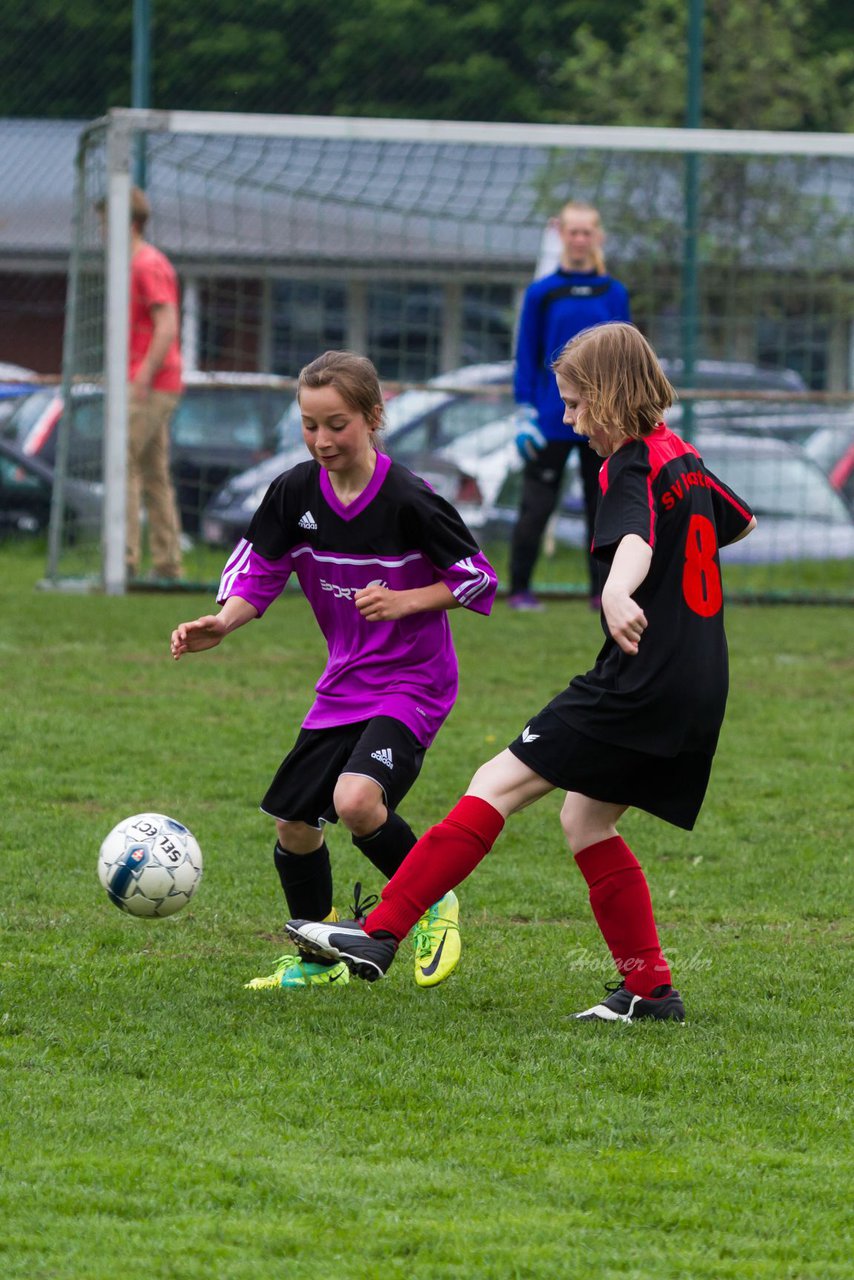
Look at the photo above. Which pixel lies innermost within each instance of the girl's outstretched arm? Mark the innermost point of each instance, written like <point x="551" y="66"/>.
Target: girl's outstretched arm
<point x="208" y="631"/>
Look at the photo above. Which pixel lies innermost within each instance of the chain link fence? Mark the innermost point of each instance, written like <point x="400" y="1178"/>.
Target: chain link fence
<point x="418" y="254"/>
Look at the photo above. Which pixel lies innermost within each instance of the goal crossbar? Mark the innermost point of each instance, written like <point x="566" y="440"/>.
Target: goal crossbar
<point x="486" y="133"/>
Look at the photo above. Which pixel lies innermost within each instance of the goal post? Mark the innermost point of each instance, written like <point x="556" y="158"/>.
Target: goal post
<point x="116" y="330"/>
<point x="413" y="241"/>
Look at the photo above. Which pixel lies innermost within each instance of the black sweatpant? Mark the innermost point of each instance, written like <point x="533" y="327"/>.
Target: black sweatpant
<point x="541" y="484"/>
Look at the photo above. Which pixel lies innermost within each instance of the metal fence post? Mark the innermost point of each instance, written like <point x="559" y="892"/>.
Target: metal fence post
<point x="690" y="285"/>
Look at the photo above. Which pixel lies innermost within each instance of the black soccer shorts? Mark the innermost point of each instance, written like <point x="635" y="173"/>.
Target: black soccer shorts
<point x="669" y="787"/>
<point x="381" y="748"/>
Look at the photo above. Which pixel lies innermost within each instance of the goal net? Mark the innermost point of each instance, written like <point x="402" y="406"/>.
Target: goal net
<point x="413" y="242"/>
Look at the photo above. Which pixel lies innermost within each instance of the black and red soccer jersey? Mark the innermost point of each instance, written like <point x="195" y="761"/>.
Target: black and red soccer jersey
<point x="398" y="533"/>
<point x="670" y="696"/>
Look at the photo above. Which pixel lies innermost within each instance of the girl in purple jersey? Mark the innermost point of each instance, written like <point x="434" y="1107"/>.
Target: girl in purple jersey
<point x="640" y="728"/>
<point x="381" y="559"/>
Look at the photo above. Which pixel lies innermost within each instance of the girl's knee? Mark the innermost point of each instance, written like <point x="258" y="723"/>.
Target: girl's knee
<point x="485" y="781"/>
<point x="359" y="804"/>
<point x="586" y="822"/>
<point x="569" y="821"/>
<point x="298" y="837"/>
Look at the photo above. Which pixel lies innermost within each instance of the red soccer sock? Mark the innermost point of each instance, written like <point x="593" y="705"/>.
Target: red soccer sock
<point x="439" y="861"/>
<point x="619" y="896"/>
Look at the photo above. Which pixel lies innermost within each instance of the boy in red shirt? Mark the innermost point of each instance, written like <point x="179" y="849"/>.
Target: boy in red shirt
<point x="155" y="387"/>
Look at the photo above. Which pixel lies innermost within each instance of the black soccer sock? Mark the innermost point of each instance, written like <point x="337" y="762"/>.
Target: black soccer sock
<point x="388" y="845"/>
<point x="306" y="881"/>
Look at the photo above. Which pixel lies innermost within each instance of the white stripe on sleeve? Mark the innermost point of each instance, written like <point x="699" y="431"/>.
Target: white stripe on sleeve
<point x="236" y="565"/>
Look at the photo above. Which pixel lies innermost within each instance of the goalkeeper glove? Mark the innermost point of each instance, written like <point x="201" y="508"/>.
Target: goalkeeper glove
<point x="529" y="438"/>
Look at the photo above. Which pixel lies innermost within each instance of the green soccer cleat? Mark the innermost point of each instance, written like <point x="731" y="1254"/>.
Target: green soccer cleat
<point x="365" y="954"/>
<point x="299" y="971"/>
<point x="436" y="939"/>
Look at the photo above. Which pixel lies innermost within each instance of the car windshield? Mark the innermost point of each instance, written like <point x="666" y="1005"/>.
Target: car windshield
<point x="827" y="445"/>
<point x="19" y="424"/>
<point x="229" y="416"/>
<point x="777" y="485"/>
<point x="446" y="423"/>
<point x="733" y="375"/>
<point x="88" y="418"/>
<point x="289" y="429"/>
<point x="409" y="406"/>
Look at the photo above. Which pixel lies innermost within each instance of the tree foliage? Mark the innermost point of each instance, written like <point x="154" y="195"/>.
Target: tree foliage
<point x="760" y="69"/>
<point x="781" y="65"/>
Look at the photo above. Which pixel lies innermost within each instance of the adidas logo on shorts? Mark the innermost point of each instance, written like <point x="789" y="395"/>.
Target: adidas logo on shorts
<point x="307" y="521"/>
<point x="384" y="757"/>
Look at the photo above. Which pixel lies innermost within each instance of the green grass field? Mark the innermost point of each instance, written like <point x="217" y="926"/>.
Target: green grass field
<point x="162" y="1123"/>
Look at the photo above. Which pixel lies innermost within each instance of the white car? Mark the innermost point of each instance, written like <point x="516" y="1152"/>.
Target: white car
<point x="486" y="449"/>
<point x="799" y="515"/>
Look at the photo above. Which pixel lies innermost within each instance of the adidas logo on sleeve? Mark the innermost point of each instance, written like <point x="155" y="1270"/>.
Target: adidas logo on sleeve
<point x="307" y="521"/>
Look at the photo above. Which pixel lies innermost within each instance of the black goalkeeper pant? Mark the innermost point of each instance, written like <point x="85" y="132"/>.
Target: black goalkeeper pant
<point x="541" y="482"/>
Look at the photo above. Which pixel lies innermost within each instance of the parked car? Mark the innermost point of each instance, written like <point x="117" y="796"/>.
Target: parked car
<point x="498" y="470"/>
<point x="223" y="424"/>
<point x="842" y="475"/>
<point x="794" y="421"/>
<point x="15" y="383"/>
<point x="734" y="375"/>
<point x="420" y="425"/>
<point x="446" y="410"/>
<point x="476" y="433"/>
<point x="834" y="452"/>
<point x="798" y="513"/>
<point x="26" y="486"/>
<point x="487" y="450"/>
<point x="832" y="447"/>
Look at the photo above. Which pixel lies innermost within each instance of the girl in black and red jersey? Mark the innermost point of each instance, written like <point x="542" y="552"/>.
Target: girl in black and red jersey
<point x="641" y="727"/>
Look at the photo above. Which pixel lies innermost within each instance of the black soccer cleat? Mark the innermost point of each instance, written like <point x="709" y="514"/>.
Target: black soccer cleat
<point x="622" y="1006"/>
<point x="364" y="954"/>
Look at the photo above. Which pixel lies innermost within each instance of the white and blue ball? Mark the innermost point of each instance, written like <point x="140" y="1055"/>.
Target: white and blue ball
<point x="150" y="865"/>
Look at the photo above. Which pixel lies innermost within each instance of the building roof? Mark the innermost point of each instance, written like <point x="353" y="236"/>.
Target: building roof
<point x="422" y="205"/>
<point x="292" y="200"/>
<point x="37" y="181"/>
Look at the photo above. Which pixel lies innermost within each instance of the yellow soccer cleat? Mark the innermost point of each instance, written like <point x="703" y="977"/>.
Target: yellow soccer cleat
<point x="436" y="938"/>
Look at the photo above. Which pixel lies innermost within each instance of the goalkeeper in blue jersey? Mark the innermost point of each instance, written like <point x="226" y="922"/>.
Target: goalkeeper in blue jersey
<point x="578" y="295"/>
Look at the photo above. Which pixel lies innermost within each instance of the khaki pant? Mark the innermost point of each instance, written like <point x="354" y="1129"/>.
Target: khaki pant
<point x="149" y="482"/>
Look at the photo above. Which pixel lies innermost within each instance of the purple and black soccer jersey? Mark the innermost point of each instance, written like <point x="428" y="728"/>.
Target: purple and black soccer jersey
<point x="398" y="533"/>
<point x="671" y="696"/>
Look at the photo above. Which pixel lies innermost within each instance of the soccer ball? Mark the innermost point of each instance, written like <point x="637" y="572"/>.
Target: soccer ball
<point x="150" y="865"/>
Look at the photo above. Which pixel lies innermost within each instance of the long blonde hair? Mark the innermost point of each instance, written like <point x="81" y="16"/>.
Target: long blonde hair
<point x="618" y="374"/>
